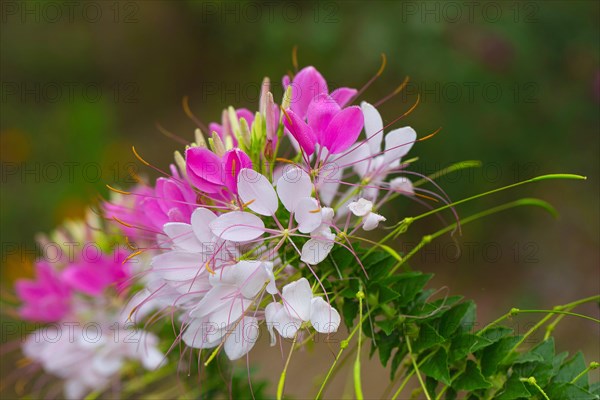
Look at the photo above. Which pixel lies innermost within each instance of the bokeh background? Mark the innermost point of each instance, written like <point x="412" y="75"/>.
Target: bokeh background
<point x="513" y="84"/>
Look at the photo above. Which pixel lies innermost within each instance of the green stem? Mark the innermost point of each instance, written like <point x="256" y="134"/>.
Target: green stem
<point x="357" y="382"/>
<point x="343" y="346"/>
<point x="408" y="376"/>
<point x="531" y="380"/>
<point x="416" y="368"/>
<point x="281" y="384"/>
<point x="434" y="211"/>
<point x="428" y="238"/>
<point x="593" y="365"/>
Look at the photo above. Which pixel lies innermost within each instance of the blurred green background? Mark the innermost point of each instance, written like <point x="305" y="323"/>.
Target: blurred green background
<point x="513" y="84"/>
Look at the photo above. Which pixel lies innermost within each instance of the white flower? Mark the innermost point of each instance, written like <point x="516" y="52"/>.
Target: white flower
<point x="299" y="306"/>
<point x="376" y="163"/>
<point x="402" y="185"/>
<point x="363" y="208"/>
<point x="372" y="221"/>
<point x="294" y="189"/>
<point x="221" y="311"/>
<point x="88" y="359"/>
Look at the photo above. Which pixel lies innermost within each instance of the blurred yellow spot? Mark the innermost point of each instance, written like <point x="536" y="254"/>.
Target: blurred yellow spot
<point x="71" y="208"/>
<point x="15" y="146"/>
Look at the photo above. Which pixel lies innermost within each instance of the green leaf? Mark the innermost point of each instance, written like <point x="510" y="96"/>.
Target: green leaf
<point x="397" y="360"/>
<point x="568" y="391"/>
<point x="492" y="355"/>
<point x="464" y="344"/>
<point x="541" y="371"/>
<point x="385" y="345"/>
<point x="451" y="394"/>
<point x="570" y="369"/>
<point x="461" y="316"/>
<point x="387" y="294"/>
<point x="428" y="337"/>
<point x="471" y="379"/>
<point x="513" y="389"/>
<point x="350" y="311"/>
<point x="386" y="325"/>
<point x="408" y="284"/>
<point x="437" y="366"/>
<point x="494" y="334"/>
<point x="431" y="385"/>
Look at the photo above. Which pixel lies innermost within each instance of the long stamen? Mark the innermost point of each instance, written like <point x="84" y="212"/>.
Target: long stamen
<point x="399" y="89"/>
<point x="373" y="79"/>
<point x="185" y="102"/>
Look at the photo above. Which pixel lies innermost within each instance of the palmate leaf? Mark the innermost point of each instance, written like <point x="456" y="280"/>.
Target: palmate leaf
<point x="489" y="363"/>
<point x="471" y="379"/>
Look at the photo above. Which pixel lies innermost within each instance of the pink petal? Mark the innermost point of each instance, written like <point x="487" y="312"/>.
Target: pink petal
<point x="307" y="85"/>
<point x="343" y="130"/>
<point x="320" y="113"/>
<point x="234" y="160"/>
<point x="204" y="169"/>
<point x="300" y="131"/>
<point x="343" y="95"/>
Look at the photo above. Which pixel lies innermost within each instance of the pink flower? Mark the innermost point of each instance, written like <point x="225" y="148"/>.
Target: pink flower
<point x="127" y="209"/>
<point x="307" y="85"/>
<point x="211" y="173"/>
<point x="45" y="299"/>
<point x="328" y="125"/>
<point x="173" y="200"/>
<point x="93" y="274"/>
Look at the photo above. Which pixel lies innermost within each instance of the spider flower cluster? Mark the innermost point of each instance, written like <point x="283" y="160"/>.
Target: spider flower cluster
<point x="80" y="292"/>
<point x="238" y="229"/>
<point x="229" y="239"/>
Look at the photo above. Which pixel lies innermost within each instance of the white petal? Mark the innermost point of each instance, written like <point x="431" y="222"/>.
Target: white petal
<point x="372" y="221"/>
<point x="107" y="362"/>
<point x="398" y="142"/>
<point x="402" y="185"/>
<point x="75" y="389"/>
<point x="285" y="324"/>
<point x="307" y="215"/>
<point x="248" y="276"/>
<point x="178" y="266"/>
<point x="237" y="226"/>
<point x="229" y="312"/>
<point x="150" y="357"/>
<point x="362" y="160"/>
<point x="327" y="214"/>
<point x="201" y="217"/>
<point x="271" y="311"/>
<point x="329" y="181"/>
<point x="361" y="207"/>
<point x="202" y="335"/>
<point x="271" y="286"/>
<point x="182" y="236"/>
<point x="316" y="250"/>
<point x="293" y="185"/>
<point x="243" y="337"/>
<point x="323" y="317"/>
<point x="373" y="127"/>
<point x="256" y="190"/>
<point x="216" y="297"/>
<point x="296" y="299"/>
